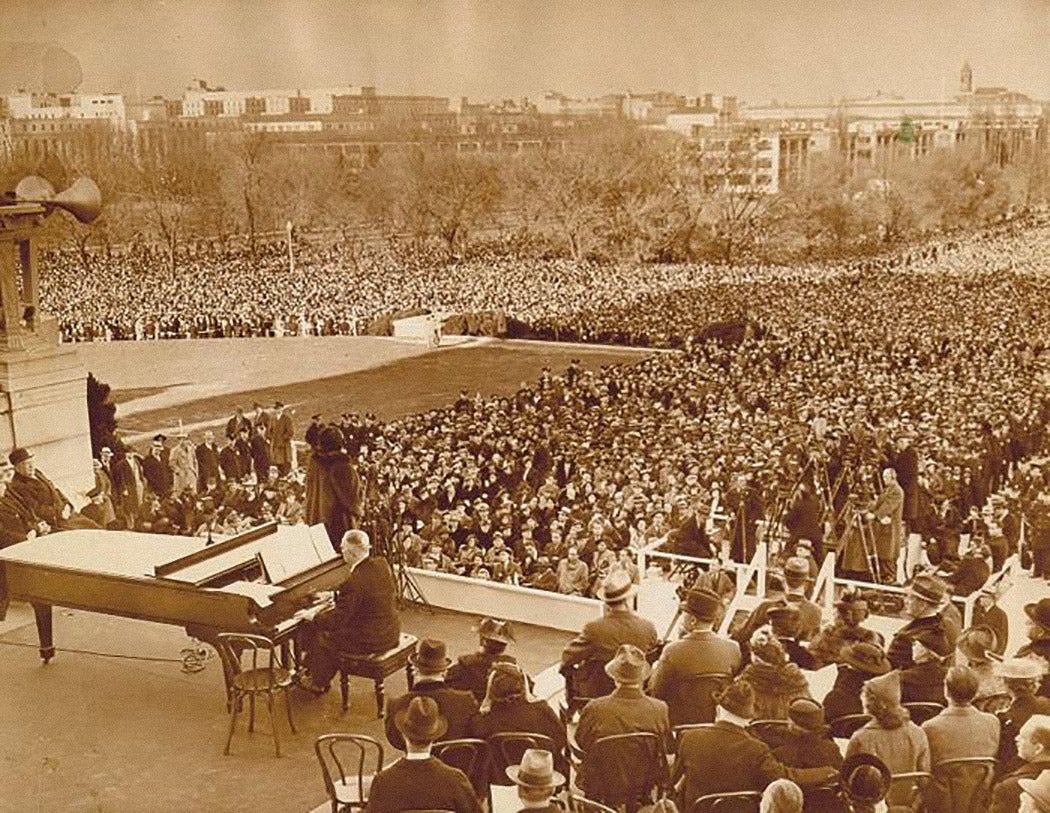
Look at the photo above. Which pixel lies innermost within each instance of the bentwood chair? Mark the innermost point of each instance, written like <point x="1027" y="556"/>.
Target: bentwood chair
<point x="921" y="711"/>
<point x="742" y="801"/>
<point x="507" y="748"/>
<point x="252" y="665"/>
<point x="349" y="762"/>
<point x="625" y="770"/>
<point x="772" y="732"/>
<point x="581" y="804"/>
<point x="961" y="785"/>
<point x="842" y="728"/>
<point x="908" y="789"/>
<point x="472" y="756"/>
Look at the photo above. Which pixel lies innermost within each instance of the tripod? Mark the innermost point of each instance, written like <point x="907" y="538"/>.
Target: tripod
<point x="866" y="534"/>
<point x="408" y="589"/>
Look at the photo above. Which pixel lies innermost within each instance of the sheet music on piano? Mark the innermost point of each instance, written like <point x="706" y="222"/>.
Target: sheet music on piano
<point x="298" y="549"/>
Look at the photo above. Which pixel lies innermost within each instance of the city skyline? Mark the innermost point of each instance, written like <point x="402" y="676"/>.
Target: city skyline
<point x="459" y="47"/>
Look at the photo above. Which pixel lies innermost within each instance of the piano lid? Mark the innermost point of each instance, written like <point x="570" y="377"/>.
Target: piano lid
<point x="118" y="553"/>
<point x="283" y="550"/>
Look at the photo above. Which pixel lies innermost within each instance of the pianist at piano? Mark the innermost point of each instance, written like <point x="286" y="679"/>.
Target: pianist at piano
<point x="365" y="618"/>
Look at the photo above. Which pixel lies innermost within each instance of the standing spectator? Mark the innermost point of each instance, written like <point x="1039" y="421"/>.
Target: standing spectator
<point x="281" y="438"/>
<point x="230" y="462"/>
<point x="333" y="488"/>
<point x="129" y="486"/>
<point x="156" y="469"/>
<point x="183" y="460"/>
<point x="260" y="449"/>
<point x="208" y="467"/>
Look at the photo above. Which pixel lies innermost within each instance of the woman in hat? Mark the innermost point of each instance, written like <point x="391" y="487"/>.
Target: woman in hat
<point x="775" y="680"/>
<point x="975" y="649"/>
<point x="890" y="735"/>
<point x="809" y="744"/>
<point x="851" y="610"/>
<point x="865" y="783"/>
<point x="471" y="672"/>
<point x="508" y="707"/>
<point x="1038" y="645"/>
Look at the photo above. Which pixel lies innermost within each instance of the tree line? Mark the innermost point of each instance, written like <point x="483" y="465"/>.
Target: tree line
<point x="626" y="194"/>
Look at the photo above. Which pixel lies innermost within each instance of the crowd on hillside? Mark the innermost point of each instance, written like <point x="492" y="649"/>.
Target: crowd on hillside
<point x="336" y="290"/>
<point x="933" y="368"/>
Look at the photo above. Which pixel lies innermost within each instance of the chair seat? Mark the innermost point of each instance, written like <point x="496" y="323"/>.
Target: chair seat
<point x="346" y="790"/>
<point x="258" y="680"/>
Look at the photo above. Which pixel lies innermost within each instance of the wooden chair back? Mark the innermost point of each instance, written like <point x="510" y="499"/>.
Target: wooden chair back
<point x="347" y="759"/>
<point x="741" y="801"/>
<point x="962" y="785"/>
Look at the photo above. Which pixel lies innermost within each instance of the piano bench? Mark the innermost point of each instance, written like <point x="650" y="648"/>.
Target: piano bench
<point x="378" y="668"/>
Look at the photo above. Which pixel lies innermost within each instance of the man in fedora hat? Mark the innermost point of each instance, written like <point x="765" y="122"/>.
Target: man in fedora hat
<point x="1033" y="747"/>
<point x="796" y="577"/>
<point x="470" y="672"/>
<point x="536" y="780"/>
<point x="627" y="710"/>
<point x="594" y="647"/>
<point x="1035" y="794"/>
<point x="41" y="496"/>
<point x="925" y="600"/>
<point x="727" y="757"/>
<point x="419" y="781"/>
<point x="678" y="678"/>
<point x="1038" y="646"/>
<point x="431" y="664"/>
<point x="988" y="613"/>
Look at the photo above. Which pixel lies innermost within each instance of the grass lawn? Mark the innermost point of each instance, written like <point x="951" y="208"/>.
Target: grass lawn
<point x="401" y="387"/>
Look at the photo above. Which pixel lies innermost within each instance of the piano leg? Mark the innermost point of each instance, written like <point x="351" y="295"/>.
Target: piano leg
<point x="43" y="631"/>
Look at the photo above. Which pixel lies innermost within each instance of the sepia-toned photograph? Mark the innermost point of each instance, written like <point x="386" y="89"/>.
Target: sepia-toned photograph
<point x="486" y="406"/>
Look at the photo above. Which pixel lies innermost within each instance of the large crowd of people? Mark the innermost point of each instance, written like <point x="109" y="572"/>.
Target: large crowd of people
<point x="894" y="411"/>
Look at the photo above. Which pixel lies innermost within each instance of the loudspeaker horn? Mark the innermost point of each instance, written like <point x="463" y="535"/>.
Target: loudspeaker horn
<point x="83" y="199"/>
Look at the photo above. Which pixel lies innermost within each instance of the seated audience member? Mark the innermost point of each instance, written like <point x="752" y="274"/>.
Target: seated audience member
<point x="781" y="796"/>
<point x="851" y="610"/>
<point x="923" y="681"/>
<point x="507" y="707"/>
<point x="418" y="780"/>
<point x="1022" y="677"/>
<point x="365" y="617"/>
<point x="595" y="646"/>
<point x="471" y="672"/>
<point x="958" y="731"/>
<point x="774" y="680"/>
<point x="926" y="607"/>
<point x="890" y="735"/>
<point x="859" y="663"/>
<point x="972" y="650"/>
<point x="786" y="623"/>
<point x="41" y="496"/>
<point x="986" y="612"/>
<point x="864" y="784"/>
<point x="1033" y="748"/>
<point x="677" y="677"/>
<point x="808" y="743"/>
<point x="796" y="577"/>
<point x="718" y="579"/>
<point x="1035" y="794"/>
<point x="1038" y="646"/>
<point x="628" y="709"/>
<point x="574" y="576"/>
<point x="726" y="757"/>
<point x="536" y="780"/>
<point x="17" y="521"/>
<point x="431" y="664"/>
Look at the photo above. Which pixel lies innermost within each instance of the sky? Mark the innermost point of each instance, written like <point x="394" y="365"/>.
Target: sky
<point x="789" y="50"/>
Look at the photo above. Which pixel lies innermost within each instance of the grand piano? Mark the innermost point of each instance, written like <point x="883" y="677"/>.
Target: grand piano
<point x="259" y="581"/>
